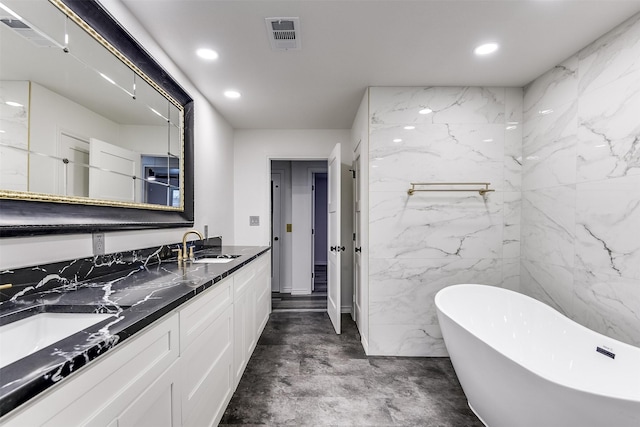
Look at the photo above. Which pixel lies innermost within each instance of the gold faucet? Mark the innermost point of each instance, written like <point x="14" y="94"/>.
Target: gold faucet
<point x="184" y="242"/>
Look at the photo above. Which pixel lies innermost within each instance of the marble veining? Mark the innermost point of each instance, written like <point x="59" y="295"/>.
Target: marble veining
<point x="607" y="227"/>
<point x="611" y="57"/>
<point x="548" y="225"/>
<point x="552" y="89"/>
<point x="448" y="105"/>
<point x="609" y="131"/>
<point x="457" y="225"/>
<point x="138" y="287"/>
<point x="421" y="243"/>
<point x="581" y="185"/>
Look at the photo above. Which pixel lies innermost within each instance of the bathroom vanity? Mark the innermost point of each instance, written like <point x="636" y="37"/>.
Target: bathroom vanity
<point x="169" y="350"/>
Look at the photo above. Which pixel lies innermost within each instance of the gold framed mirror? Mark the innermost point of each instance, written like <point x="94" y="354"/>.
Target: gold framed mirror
<point x="87" y="118"/>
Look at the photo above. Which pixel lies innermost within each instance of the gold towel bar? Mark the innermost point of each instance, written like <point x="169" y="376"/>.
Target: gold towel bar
<point x="481" y="191"/>
<point x="7" y="286"/>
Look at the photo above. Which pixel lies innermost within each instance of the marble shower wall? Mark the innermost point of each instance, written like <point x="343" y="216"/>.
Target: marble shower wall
<point x="581" y="185"/>
<point x="422" y="243"/>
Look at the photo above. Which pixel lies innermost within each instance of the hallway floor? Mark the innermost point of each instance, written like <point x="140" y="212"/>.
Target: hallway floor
<point x="302" y="373"/>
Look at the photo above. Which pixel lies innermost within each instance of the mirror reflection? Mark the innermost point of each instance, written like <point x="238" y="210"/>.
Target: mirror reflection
<point x="76" y="123"/>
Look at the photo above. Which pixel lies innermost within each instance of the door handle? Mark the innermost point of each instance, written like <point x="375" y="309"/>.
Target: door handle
<point x="358" y="249"/>
<point x="276" y="238"/>
<point x="341" y="248"/>
<point x="333" y="248"/>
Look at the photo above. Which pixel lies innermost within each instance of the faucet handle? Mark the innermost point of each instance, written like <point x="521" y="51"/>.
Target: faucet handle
<point x="179" y="253"/>
<point x="191" y="255"/>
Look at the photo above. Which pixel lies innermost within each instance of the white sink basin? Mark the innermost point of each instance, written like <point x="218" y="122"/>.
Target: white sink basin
<point x="26" y="336"/>
<point x="213" y="260"/>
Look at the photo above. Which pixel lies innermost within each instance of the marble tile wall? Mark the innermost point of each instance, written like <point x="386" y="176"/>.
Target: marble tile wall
<point x="422" y="243"/>
<point x="581" y="185"/>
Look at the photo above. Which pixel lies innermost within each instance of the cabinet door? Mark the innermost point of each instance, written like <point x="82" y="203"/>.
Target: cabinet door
<point x="158" y="405"/>
<point x="263" y="294"/>
<point x="207" y="373"/>
<point x="244" y="329"/>
<point x="198" y="314"/>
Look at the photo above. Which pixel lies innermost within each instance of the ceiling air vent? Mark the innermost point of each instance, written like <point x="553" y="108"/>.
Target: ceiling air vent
<point x="24" y="30"/>
<point x="284" y="33"/>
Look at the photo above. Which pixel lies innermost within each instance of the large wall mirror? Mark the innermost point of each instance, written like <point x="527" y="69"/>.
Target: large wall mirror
<point x="94" y="135"/>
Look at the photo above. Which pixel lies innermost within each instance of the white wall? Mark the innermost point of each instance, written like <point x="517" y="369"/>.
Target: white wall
<point x="51" y="114"/>
<point x="214" y="199"/>
<point x="254" y="149"/>
<point x="581" y="186"/>
<point x="149" y="140"/>
<point x="14" y="121"/>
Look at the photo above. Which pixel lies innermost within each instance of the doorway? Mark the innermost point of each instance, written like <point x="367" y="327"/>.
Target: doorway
<point x="319" y="233"/>
<point x="299" y="234"/>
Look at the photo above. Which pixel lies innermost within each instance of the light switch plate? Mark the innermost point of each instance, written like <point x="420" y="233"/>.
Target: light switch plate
<point x="254" y="221"/>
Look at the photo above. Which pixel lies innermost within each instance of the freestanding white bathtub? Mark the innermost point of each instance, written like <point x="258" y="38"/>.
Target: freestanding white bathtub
<point x="522" y="363"/>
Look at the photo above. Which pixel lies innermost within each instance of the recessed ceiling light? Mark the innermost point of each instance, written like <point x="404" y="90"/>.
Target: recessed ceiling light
<point x="545" y="112"/>
<point x="14" y="104"/>
<point x="409" y="127"/>
<point x="488" y="140"/>
<point x="486" y="49"/>
<point x="425" y="111"/>
<point x="208" y="54"/>
<point x="232" y="94"/>
<point x="397" y="140"/>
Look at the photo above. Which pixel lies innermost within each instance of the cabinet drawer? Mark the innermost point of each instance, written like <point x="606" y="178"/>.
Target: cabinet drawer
<point x="246" y="276"/>
<point x="197" y="315"/>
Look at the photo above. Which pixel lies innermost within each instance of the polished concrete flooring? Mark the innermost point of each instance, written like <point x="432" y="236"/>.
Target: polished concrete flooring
<point x="303" y="374"/>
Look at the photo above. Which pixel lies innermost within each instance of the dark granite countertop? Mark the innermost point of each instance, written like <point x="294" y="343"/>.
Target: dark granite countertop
<point x="136" y="298"/>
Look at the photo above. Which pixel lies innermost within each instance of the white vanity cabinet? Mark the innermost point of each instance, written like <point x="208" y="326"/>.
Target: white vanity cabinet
<point x="105" y="393"/>
<point x="251" y="308"/>
<point x="206" y="355"/>
<point x="180" y="371"/>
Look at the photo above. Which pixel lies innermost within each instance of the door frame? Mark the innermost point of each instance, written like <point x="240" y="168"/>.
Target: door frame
<point x="84" y="146"/>
<point x="276" y="254"/>
<point x="362" y="233"/>
<point x="271" y="157"/>
<point x="311" y="177"/>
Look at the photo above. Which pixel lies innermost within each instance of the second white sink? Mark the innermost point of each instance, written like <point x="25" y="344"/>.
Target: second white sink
<point x="26" y="336"/>
<point x="213" y="260"/>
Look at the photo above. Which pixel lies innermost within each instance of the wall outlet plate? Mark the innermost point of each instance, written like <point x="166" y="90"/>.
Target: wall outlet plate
<point x="254" y="221"/>
<point x="289" y="228"/>
<point x="98" y="243"/>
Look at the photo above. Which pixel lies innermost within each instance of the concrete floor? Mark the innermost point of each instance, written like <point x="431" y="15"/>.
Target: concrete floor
<point x="302" y="373"/>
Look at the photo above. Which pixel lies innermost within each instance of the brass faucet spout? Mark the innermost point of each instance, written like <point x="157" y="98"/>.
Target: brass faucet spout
<point x="184" y="242"/>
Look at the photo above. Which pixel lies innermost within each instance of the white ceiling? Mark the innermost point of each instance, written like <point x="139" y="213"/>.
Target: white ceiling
<point x="348" y="45"/>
